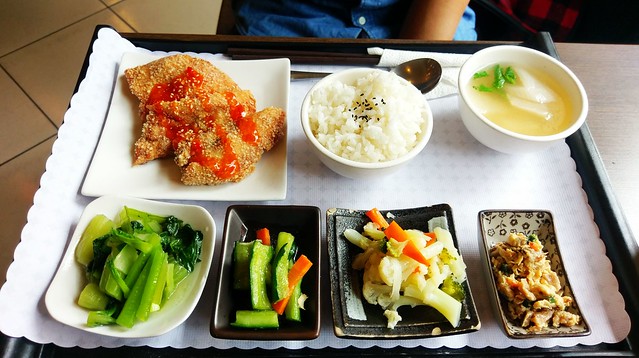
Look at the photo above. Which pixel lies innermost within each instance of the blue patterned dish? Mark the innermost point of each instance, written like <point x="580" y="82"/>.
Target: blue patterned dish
<point x="495" y="226"/>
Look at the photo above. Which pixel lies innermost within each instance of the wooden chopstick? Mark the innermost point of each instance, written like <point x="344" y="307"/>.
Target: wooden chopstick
<point x="303" y="57"/>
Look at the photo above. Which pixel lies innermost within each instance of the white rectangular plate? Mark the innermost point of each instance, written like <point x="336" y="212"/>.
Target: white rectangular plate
<point x="111" y="171"/>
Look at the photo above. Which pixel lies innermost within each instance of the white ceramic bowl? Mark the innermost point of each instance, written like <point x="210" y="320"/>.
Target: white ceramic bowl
<point x="503" y="140"/>
<point x="62" y="295"/>
<point x="351" y="168"/>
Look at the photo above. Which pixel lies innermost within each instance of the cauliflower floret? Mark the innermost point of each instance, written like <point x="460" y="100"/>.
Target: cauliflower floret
<point x="390" y="270"/>
<point x="371" y="230"/>
<point x="372" y="292"/>
<point x="393" y="318"/>
<point x="393" y="279"/>
<point x="394" y="248"/>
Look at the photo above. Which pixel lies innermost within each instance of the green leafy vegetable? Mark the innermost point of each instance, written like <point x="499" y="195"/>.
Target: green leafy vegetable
<point x="182" y="242"/>
<point x="92" y="297"/>
<point x="510" y="75"/>
<point x="101" y="318"/>
<point x="483" y="88"/>
<point x="500" y="77"/>
<point x="505" y="268"/>
<point x="480" y="74"/>
<point x="100" y="253"/>
<point x="136" y="266"/>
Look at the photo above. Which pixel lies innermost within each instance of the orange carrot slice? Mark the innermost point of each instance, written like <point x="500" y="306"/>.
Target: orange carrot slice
<point x="396" y="232"/>
<point x="411" y="250"/>
<point x="264" y="235"/>
<point x="377" y="218"/>
<point x="295" y="274"/>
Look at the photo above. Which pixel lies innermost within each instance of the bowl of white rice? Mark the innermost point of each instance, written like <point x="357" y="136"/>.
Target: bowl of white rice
<point x="366" y="122"/>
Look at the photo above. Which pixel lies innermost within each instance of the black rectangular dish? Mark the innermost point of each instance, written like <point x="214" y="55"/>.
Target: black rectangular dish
<point x="614" y="231"/>
<point x="368" y="321"/>
<point x="241" y="224"/>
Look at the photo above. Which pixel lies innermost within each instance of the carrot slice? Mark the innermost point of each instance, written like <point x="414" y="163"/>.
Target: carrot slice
<point x="432" y="238"/>
<point x="295" y="274"/>
<point x="264" y="235"/>
<point x="377" y="218"/>
<point x="410" y="249"/>
<point x="396" y="232"/>
<point x="280" y="306"/>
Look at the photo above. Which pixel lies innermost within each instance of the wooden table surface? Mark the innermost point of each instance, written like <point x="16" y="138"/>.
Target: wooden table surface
<point x="610" y="75"/>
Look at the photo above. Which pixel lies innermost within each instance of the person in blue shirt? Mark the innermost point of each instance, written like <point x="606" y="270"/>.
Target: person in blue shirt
<point x="416" y="19"/>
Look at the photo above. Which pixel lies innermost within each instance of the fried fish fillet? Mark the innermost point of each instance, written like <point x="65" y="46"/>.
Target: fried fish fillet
<point x="152" y="77"/>
<point x="227" y="155"/>
<point x="194" y="111"/>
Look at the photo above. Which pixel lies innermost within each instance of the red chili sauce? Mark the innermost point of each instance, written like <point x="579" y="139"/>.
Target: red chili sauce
<point x="178" y="130"/>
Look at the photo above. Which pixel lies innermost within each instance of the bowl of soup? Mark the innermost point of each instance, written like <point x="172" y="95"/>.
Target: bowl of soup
<point x="514" y="99"/>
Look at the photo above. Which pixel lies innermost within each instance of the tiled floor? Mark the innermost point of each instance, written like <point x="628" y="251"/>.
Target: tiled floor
<point x="42" y="46"/>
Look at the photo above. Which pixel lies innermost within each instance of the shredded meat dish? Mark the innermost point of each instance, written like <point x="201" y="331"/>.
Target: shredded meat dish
<point x="531" y="288"/>
<point x="192" y="110"/>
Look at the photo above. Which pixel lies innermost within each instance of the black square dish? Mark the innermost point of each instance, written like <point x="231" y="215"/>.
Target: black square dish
<point x="241" y="223"/>
<point x="353" y="316"/>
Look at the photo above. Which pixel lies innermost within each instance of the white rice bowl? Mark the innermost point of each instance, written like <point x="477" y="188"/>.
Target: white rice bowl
<point x="366" y="118"/>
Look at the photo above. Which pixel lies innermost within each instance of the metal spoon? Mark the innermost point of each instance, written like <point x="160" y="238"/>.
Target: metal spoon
<point x="423" y="73"/>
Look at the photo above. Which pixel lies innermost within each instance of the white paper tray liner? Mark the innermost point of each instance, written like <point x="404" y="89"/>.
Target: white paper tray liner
<point x="454" y="168"/>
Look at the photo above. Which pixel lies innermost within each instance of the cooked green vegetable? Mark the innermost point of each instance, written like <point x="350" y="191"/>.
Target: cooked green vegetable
<point x="92" y="297"/>
<point x="480" y="74"/>
<point x="256" y="319"/>
<point x="261" y="256"/>
<point x="453" y="288"/>
<point x="280" y="272"/>
<point x="182" y="242"/>
<point x="241" y="258"/>
<point x="483" y="88"/>
<point x="99" y="226"/>
<point x="126" y="318"/>
<point x="258" y="267"/>
<point x="101" y="318"/>
<point x="135" y="269"/>
<point x="500" y="78"/>
<point x="158" y="258"/>
<point x="136" y="264"/>
<point x="117" y="278"/>
<point x="510" y="75"/>
<point x="293" y="312"/>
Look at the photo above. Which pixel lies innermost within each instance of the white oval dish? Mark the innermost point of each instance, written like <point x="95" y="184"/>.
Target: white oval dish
<point x="62" y="295"/>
